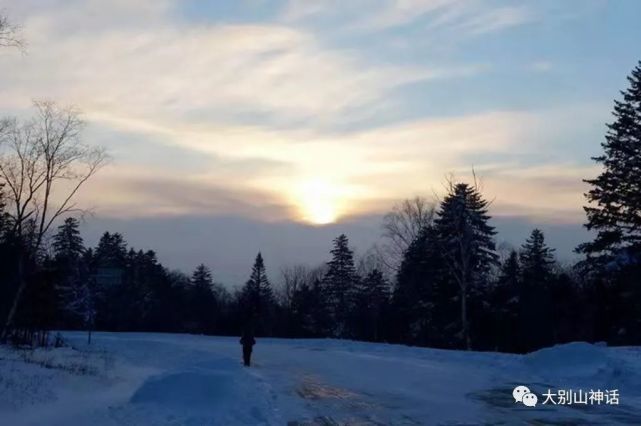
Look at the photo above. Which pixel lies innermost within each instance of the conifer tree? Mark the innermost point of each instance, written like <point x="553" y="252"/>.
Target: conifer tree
<point x="202" y="301"/>
<point x="68" y="245"/>
<point x="422" y="300"/>
<point x="537" y="259"/>
<point x="68" y="253"/>
<point x="467" y="244"/>
<point x="258" y="297"/>
<point x="372" y="296"/>
<point x="339" y="285"/>
<point x="114" y="302"/>
<point x="505" y="302"/>
<point x="201" y="278"/>
<point x="536" y="327"/>
<point x="111" y="251"/>
<point x="614" y="211"/>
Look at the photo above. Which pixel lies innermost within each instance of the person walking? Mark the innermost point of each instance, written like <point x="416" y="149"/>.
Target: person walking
<point x="247" y="341"/>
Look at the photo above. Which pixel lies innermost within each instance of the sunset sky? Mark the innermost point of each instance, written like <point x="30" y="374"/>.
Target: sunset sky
<point x="279" y="124"/>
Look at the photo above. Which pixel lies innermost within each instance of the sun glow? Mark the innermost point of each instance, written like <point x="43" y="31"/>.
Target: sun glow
<point x="319" y="201"/>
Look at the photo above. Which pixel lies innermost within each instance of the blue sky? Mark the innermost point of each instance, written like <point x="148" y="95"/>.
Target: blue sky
<point x="318" y="115"/>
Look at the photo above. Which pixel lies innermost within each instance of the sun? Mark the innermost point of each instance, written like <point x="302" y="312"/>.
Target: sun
<point x="319" y="201"/>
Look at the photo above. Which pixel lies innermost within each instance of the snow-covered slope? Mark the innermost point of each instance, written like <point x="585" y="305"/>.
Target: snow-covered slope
<point x="164" y="379"/>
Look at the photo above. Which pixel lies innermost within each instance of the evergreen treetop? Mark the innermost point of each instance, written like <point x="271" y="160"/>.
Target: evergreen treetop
<point x="67" y="242"/>
<point x="537" y="259"/>
<point x="614" y="209"/>
<point x="466" y="237"/>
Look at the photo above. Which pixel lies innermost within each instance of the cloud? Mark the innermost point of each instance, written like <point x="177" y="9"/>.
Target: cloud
<point x="123" y="192"/>
<point x="456" y="17"/>
<point x="553" y="192"/>
<point x="263" y="104"/>
<point x="166" y="68"/>
<point x="360" y="171"/>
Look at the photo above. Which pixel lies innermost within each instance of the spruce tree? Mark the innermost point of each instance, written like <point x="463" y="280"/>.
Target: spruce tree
<point x="372" y="297"/>
<point x="505" y="303"/>
<point x="614" y="211"/>
<point x="201" y="278"/>
<point x="115" y="302"/>
<point x="536" y="327"/>
<point x="467" y="243"/>
<point x="111" y="251"/>
<point x="202" y="301"/>
<point x="71" y="282"/>
<point x="422" y="302"/>
<point x="339" y="284"/>
<point x="537" y="259"/>
<point x="258" y="297"/>
<point x="68" y="245"/>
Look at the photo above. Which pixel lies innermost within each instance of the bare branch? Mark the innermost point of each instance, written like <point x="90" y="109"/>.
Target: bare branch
<point x="401" y="226"/>
<point x="44" y="164"/>
<point x="10" y="34"/>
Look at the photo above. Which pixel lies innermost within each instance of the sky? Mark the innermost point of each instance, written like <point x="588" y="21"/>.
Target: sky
<point x="238" y="126"/>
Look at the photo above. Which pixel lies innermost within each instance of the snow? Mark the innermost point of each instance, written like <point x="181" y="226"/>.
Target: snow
<point x="165" y="379"/>
<point x="575" y="360"/>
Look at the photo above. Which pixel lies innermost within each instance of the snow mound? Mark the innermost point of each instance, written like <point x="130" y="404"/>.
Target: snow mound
<point x="577" y="359"/>
<point x="189" y="389"/>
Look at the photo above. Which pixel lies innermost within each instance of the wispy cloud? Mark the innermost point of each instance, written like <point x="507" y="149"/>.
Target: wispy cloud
<point x="360" y="171"/>
<point x="165" y="68"/>
<point x="266" y="102"/>
<point x="457" y="17"/>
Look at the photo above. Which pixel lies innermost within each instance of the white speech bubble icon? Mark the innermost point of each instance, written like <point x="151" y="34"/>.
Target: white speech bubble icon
<point x="518" y="393"/>
<point x="530" y="400"/>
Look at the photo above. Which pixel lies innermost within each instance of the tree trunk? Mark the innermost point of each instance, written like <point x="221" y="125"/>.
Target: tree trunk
<point x="22" y="283"/>
<point x="464" y="323"/>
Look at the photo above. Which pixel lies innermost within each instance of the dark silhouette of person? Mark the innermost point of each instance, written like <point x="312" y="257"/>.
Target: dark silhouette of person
<point x="248" y="342"/>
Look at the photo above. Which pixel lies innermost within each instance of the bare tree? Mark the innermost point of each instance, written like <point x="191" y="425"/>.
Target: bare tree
<point x="43" y="164"/>
<point x="293" y="278"/>
<point x="9" y="33"/>
<point x="401" y="226"/>
<point x="371" y="260"/>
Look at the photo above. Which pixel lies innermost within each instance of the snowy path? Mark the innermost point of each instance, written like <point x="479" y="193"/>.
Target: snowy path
<point x="163" y="379"/>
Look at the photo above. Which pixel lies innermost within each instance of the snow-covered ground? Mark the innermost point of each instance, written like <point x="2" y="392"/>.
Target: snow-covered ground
<point x="165" y="379"/>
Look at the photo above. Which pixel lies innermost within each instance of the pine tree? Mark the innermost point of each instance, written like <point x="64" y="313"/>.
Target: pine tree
<point x="536" y="306"/>
<point x="111" y="251"/>
<point x="537" y="259"/>
<point x="371" y="299"/>
<point x="505" y="303"/>
<point x="320" y="313"/>
<point x="422" y="300"/>
<point x="68" y="253"/>
<point x="201" y="278"/>
<point x="68" y="245"/>
<point x="258" y="297"/>
<point x="615" y="198"/>
<point x="339" y="285"/>
<point x="109" y="267"/>
<point x="467" y="242"/>
<point x="202" y="302"/>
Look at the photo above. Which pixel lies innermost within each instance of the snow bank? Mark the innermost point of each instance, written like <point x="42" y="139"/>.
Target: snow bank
<point x="577" y="359"/>
<point x="197" y="389"/>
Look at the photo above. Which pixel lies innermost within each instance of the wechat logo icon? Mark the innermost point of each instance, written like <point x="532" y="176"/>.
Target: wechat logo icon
<point x="523" y="395"/>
